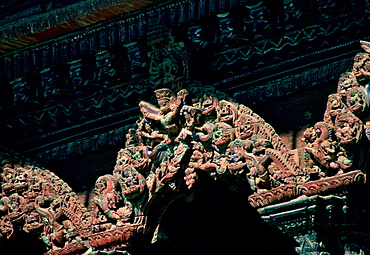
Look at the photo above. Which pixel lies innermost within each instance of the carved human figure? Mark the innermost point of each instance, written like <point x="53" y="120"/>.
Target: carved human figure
<point x="136" y="59"/>
<point x="325" y="150"/>
<point x="348" y="128"/>
<point x="334" y="106"/>
<point x="132" y="185"/>
<point x="33" y="222"/>
<point x="169" y="108"/>
<point x="357" y="100"/>
<point x="227" y="112"/>
<point x="110" y="67"/>
<point x="82" y="75"/>
<point x="163" y="68"/>
<point x="21" y="179"/>
<point x="107" y="201"/>
<point x="147" y="134"/>
<point x="223" y="135"/>
<point x="25" y="92"/>
<point x="191" y="119"/>
<point x="54" y="81"/>
<point x="8" y="178"/>
<point x="346" y="81"/>
<point x="262" y="163"/>
<point x="245" y="127"/>
<point x="239" y="154"/>
<point x="231" y="30"/>
<point x="134" y="156"/>
<point x="16" y="202"/>
<point x="361" y="67"/>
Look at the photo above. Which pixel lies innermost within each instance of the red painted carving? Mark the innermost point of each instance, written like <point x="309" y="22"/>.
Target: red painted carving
<point x="192" y="131"/>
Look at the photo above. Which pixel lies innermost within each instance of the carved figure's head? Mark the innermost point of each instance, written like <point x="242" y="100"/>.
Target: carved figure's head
<point x="244" y="128"/>
<point x="165" y="98"/>
<point x="361" y="66"/>
<point x="224" y="134"/>
<point x="346" y="81"/>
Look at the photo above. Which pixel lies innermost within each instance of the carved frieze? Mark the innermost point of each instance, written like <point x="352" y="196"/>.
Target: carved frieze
<point x="187" y="133"/>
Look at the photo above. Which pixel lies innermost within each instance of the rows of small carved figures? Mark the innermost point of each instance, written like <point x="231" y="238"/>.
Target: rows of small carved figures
<point x="203" y="134"/>
<point x="190" y="131"/>
<point x="345" y="121"/>
<point x="42" y="204"/>
<point x="191" y="134"/>
<point x="336" y="150"/>
<point x="36" y="201"/>
<point x="64" y="73"/>
<point x="81" y="75"/>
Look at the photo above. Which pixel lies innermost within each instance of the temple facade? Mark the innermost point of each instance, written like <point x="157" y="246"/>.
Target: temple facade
<point x="184" y="127"/>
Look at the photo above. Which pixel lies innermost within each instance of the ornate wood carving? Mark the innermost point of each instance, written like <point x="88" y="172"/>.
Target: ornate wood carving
<point x="184" y="133"/>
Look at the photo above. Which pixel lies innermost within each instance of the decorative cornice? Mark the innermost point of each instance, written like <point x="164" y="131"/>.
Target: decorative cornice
<point x="288" y="192"/>
<point x="57" y="22"/>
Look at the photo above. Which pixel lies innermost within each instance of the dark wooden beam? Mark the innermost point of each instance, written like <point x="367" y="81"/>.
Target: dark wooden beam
<point x="64" y="20"/>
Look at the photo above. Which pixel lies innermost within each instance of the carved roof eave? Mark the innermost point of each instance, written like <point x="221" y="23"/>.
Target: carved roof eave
<point x="57" y="22"/>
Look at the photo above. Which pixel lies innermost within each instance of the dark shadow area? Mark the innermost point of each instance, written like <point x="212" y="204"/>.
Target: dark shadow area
<point x="22" y="243"/>
<point x="81" y="172"/>
<point x="297" y="110"/>
<point x="219" y="220"/>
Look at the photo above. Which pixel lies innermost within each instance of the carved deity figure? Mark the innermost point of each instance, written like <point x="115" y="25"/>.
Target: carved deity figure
<point x="169" y="108"/>
<point x="361" y="67"/>
<point x="108" y="201"/>
<point x="322" y="145"/>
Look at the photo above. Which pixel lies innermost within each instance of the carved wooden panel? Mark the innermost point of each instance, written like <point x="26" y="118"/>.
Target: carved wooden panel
<point x="183" y="133"/>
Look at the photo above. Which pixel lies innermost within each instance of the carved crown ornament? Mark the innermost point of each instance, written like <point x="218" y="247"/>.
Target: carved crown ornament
<point x="187" y="132"/>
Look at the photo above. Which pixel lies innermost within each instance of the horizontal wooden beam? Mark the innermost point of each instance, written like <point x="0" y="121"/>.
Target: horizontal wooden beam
<point x="41" y="27"/>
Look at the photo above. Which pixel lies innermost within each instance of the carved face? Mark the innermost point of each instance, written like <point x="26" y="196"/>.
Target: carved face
<point x="334" y="105"/>
<point x="164" y="105"/>
<point x="8" y="175"/>
<point x="131" y="137"/>
<point x="191" y="116"/>
<point x="194" y="33"/>
<point x="367" y="129"/>
<point x="356" y="100"/>
<point x="224" y="134"/>
<point x="348" y="128"/>
<point x="235" y="151"/>
<point x="346" y="81"/>
<point x="309" y="135"/>
<point x="244" y="128"/>
<point x="21" y="178"/>
<point x="361" y="64"/>
<point x="226" y="112"/>
<point x="14" y="202"/>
